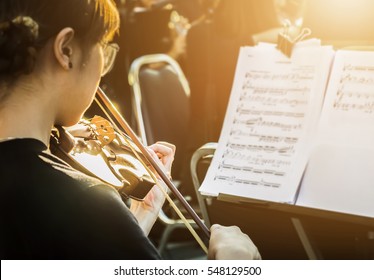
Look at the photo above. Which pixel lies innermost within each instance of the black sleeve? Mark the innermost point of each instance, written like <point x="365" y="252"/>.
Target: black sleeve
<point x="110" y="230"/>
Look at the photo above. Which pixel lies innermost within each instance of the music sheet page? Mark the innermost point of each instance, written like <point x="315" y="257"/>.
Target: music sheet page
<point x="348" y="113"/>
<point x="272" y="112"/>
<point x="340" y="173"/>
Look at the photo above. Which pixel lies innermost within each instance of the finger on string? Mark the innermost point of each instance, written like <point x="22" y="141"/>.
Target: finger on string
<point x="153" y="153"/>
<point x="158" y="160"/>
<point x="166" y="157"/>
<point x="167" y="144"/>
<point x="164" y="150"/>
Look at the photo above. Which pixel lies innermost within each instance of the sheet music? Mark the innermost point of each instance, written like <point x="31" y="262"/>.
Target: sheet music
<point x="349" y="105"/>
<point x="340" y="173"/>
<point x="272" y="111"/>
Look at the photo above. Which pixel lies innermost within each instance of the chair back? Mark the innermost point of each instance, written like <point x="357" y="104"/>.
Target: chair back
<point x="161" y="103"/>
<point x="160" y="94"/>
<point x="199" y="165"/>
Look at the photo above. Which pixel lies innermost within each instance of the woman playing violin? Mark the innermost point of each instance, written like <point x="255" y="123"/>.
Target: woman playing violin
<point x="52" y="56"/>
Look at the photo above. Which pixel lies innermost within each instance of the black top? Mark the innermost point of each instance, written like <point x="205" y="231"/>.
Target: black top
<point x="51" y="211"/>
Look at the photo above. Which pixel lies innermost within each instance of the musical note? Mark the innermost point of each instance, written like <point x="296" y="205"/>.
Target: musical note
<point x="233" y="179"/>
<point x="355" y="89"/>
<point x="350" y="67"/>
<point x="269" y="149"/>
<point x="264" y="138"/>
<point x="367" y="107"/>
<point x="273" y="101"/>
<point x="254" y="159"/>
<point x="251" y="169"/>
<point x="270" y="124"/>
<point x="356" y="79"/>
<point x="268" y="76"/>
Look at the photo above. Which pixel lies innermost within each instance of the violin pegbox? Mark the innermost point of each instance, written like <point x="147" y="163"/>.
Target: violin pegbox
<point x="103" y="130"/>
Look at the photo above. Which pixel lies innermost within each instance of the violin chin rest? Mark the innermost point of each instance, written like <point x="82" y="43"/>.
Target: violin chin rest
<point x="135" y="187"/>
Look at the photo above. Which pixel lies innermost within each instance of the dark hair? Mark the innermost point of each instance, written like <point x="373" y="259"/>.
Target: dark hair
<point x="26" y="26"/>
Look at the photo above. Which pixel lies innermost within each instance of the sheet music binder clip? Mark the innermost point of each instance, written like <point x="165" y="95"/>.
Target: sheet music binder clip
<point x="285" y="44"/>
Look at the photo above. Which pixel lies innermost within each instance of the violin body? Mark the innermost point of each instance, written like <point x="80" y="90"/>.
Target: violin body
<point x="96" y="149"/>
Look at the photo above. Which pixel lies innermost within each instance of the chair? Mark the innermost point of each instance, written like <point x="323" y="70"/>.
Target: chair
<point x="162" y="82"/>
<point x="160" y="100"/>
<point x="200" y="162"/>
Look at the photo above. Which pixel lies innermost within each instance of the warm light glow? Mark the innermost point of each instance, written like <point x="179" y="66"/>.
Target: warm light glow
<point x="341" y="19"/>
<point x="349" y="9"/>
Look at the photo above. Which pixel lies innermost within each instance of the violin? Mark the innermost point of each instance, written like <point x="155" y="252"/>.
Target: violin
<point x="99" y="144"/>
<point x="97" y="149"/>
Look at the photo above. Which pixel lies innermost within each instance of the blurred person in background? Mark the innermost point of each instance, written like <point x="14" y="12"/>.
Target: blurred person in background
<point x="212" y="49"/>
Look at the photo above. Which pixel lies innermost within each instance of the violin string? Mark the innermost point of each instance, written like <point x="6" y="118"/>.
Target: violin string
<point x="157" y="183"/>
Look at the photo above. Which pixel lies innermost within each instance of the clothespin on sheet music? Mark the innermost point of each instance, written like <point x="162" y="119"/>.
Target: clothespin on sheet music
<point x="285" y="44"/>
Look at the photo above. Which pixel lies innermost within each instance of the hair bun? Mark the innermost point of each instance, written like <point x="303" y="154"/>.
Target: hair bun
<point x="17" y="46"/>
